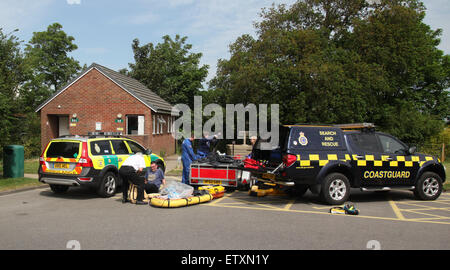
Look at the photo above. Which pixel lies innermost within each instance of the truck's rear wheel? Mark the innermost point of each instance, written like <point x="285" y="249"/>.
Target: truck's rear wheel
<point x="335" y="189"/>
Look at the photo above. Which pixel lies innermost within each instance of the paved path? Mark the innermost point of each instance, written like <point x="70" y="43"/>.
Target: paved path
<point x="172" y="162"/>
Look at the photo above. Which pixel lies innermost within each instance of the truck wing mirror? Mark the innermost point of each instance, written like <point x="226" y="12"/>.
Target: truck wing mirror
<point x="148" y="152"/>
<point x="412" y="150"/>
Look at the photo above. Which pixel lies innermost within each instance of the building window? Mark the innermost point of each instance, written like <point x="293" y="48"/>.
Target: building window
<point x="157" y="125"/>
<point x="161" y="123"/>
<point x="168" y="124"/>
<point x="154" y="125"/>
<point x="135" y="124"/>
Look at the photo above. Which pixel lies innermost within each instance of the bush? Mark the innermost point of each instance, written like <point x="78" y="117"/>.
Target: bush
<point x="434" y="145"/>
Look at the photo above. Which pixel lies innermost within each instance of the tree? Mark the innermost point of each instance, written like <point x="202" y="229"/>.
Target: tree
<point x="341" y="61"/>
<point x="47" y="55"/>
<point x="11" y="77"/>
<point x="169" y="69"/>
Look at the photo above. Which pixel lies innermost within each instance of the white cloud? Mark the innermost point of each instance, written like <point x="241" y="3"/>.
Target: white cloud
<point x="22" y="13"/>
<point x="95" y="50"/>
<point x="176" y="3"/>
<point x="74" y="2"/>
<point x="219" y="23"/>
<point x="144" y="18"/>
<point x="437" y="17"/>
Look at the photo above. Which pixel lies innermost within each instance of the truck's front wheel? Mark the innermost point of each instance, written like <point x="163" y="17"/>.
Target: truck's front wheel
<point x="428" y="187"/>
<point x="335" y="189"/>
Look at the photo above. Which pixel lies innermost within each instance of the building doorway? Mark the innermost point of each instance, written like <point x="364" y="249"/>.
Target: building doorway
<point x="135" y="124"/>
<point x="63" y="125"/>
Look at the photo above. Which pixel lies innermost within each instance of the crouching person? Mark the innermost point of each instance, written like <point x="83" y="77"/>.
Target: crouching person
<point x="132" y="171"/>
<point x="154" y="178"/>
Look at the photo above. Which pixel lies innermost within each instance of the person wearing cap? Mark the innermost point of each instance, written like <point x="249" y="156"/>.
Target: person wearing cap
<point x="131" y="171"/>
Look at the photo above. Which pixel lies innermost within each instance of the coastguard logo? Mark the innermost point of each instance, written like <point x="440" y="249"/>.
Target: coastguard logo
<point x="302" y="139"/>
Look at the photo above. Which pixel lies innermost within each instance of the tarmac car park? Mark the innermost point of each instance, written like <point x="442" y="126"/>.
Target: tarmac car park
<point x="329" y="160"/>
<point x="93" y="160"/>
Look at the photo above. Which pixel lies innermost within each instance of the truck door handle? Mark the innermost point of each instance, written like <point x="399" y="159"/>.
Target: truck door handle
<point x="389" y="158"/>
<point x="360" y="157"/>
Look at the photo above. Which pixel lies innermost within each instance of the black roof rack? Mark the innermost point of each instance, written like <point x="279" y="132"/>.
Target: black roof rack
<point x="105" y="134"/>
<point x="366" y="127"/>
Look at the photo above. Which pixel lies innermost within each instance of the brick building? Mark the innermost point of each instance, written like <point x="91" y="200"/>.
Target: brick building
<point x="103" y="100"/>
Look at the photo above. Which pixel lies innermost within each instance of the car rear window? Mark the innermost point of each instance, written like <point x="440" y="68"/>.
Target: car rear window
<point x="316" y="138"/>
<point x="63" y="149"/>
<point x="366" y="142"/>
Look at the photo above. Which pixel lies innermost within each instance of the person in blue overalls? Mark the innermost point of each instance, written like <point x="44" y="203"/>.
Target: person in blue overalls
<point x="187" y="156"/>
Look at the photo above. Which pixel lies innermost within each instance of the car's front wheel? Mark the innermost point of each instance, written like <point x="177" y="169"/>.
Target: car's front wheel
<point x="335" y="189"/>
<point x="428" y="187"/>
<point x="108" y="185"/>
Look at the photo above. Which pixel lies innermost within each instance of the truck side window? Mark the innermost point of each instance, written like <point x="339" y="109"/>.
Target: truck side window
<point x="390" y="145"/>
<point x="366" y="142"/>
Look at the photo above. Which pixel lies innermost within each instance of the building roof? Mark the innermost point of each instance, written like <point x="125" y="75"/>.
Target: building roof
<point x="132" y="86"/>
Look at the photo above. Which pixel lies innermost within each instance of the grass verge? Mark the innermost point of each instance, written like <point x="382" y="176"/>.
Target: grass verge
<point x="447" y="182"/>
<point x="30" y="166"/>
<point x="9" y="184"/>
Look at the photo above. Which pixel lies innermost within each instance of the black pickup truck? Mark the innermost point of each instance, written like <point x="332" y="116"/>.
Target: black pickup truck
<point x="329" y="160"/>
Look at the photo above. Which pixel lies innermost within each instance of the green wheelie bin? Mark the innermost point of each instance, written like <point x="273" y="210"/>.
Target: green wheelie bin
<point x="13" y="161"/>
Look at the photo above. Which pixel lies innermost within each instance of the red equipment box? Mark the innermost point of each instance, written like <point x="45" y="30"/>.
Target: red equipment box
<point x="207" y="174"/>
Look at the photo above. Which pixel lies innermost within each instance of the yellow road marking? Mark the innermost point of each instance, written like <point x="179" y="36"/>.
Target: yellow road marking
<point x="424" y="219"/>
<point x="439" y="201"/>
<point x="396" y="210"/>
<point x="327" y="207"/>
<point x="288" y="206"/>
<point x="325" y="213"/>
<point x="429" y="208"/>
<point x="423" y="207"/>
<point x="425" y="214"/>
<point x="220" y="199"/>
<point x="256" y="203"/>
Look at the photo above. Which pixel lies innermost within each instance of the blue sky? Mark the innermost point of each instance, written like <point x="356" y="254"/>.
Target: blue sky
<point x="104" y="30"/>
